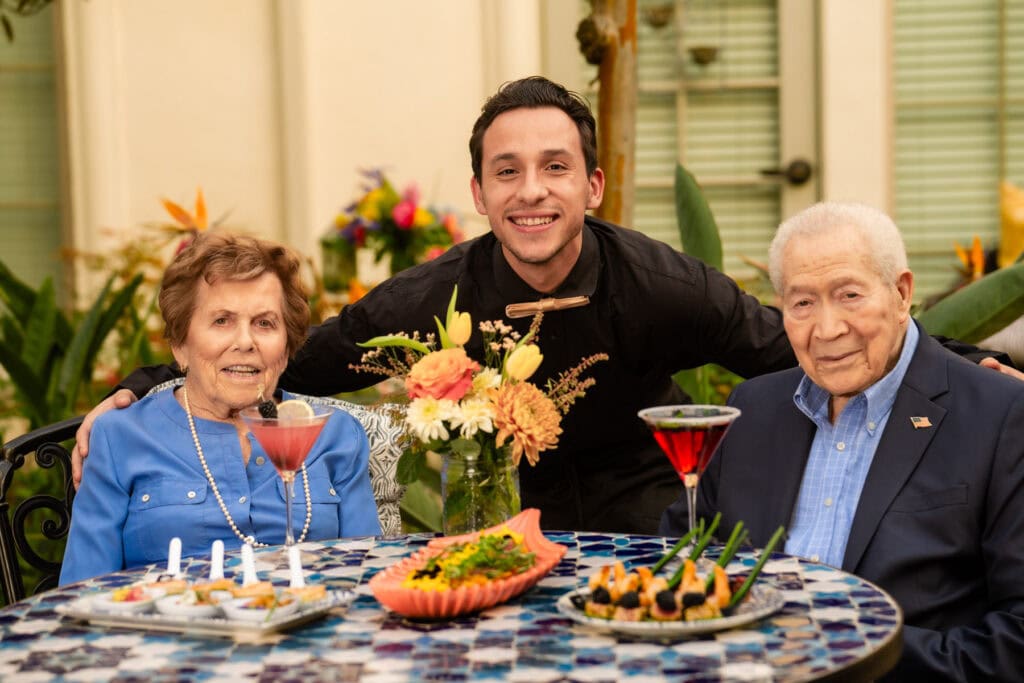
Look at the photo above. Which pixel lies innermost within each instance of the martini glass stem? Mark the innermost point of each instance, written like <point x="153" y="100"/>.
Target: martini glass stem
<point x="690" y="482"/>
<point x="289" y="496"/>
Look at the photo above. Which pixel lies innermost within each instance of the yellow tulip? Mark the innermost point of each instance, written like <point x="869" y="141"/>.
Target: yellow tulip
<point x="523" y="362"/>
<point x="460" y="328"/>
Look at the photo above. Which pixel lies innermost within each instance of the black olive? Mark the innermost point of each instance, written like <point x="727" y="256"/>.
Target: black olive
<point x="630" y="600"/>
<point x="693" y="598"/>
<point x="578" y="602"/>
<point x="601" y="596"/>
<point x="666" y="601"/>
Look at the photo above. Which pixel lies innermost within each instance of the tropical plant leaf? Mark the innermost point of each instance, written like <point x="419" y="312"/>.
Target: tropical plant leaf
<point x="980" y="309"/>
<point x="698" y="231"/>
<point x="40" y="328"/>
<point x="76" y="359"/>
<point x="28" y="385"/>
<point x="407" y="469"/>
<point x="121" y="300"/>
<point x="15" y="294"/>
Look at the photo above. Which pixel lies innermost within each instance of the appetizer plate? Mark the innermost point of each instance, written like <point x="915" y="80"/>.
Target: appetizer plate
<point x="761" y="602"/>
<point x="422" y="604"/>
<point x="84" y="609"/>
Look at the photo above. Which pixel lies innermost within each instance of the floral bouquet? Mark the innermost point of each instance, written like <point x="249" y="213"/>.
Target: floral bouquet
<point x="392" y="223"/>
<point x="481" y="419"/>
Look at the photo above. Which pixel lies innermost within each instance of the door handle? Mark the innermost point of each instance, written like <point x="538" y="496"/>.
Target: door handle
<point x="797" y="172"/>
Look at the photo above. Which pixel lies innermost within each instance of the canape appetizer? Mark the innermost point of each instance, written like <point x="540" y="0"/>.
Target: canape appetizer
<point x="491" y="557"/>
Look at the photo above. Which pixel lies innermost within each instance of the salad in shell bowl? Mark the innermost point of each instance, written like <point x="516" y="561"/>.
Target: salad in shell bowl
<point x="457" y="575"/>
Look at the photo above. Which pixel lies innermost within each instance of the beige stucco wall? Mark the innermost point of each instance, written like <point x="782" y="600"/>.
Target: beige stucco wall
<point x="272" y="106"/>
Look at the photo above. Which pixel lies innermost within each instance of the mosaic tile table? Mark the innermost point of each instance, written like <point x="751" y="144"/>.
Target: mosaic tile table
<point x="833" y="626"/>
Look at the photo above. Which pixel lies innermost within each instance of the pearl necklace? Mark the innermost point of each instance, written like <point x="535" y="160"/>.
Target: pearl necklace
<point x="251" y="540"/>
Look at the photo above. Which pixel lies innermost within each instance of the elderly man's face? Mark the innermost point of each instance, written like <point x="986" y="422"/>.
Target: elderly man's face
<point x="845" y="324"/>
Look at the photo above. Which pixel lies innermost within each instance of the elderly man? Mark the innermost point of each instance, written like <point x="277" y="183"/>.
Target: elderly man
<point x="883" y="453"/>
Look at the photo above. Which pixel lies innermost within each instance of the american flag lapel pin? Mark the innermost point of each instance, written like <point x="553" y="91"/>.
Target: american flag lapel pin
<point x="920" y="422"/>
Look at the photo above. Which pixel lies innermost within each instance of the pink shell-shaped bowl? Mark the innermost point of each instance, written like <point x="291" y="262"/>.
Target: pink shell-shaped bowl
<point x="420" y="604"/>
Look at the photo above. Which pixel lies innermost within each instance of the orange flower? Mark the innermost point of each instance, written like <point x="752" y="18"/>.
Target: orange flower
<point x="525" y="413"/>
<point x="447" y="373"/>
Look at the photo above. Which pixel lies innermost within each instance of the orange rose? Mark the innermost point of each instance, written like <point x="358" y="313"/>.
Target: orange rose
<point x="447" y="373"/>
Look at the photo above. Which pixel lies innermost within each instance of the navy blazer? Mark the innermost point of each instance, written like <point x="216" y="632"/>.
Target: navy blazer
<point x="940" y="521"/>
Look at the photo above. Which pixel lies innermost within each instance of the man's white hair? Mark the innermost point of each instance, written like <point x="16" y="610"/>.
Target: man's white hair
<point x="879" y="232"/>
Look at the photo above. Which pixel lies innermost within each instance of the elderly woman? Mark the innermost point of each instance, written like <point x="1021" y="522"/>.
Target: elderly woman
<point x="182" y="462"/>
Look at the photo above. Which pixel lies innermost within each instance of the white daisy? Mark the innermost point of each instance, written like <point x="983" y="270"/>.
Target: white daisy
<point x="473" y="415"/>
<point x="426" y="417"/>
<point x="488" y="378"/>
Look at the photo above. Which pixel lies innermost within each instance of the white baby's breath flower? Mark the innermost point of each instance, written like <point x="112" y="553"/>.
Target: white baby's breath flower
<point x="426" y="417"/>
<point x="473" y="415"/>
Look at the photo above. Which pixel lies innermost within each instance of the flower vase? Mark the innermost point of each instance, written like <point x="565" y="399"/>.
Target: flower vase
<point x="339" y="264"/>
<point x="479" y="490"/>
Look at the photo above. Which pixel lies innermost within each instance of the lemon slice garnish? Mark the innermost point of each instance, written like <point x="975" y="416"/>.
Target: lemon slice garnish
<point x="293" y="408"/>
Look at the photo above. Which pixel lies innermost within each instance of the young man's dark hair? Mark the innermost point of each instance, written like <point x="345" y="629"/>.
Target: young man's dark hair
<point x="534" y="92"/>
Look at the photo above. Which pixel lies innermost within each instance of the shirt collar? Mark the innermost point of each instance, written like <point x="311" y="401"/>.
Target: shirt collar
<point x="581" y="281"/>
<point x="812" y="400"/>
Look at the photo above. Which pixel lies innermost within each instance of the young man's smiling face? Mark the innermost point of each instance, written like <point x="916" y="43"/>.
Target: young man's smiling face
<point x="534" y="190"/>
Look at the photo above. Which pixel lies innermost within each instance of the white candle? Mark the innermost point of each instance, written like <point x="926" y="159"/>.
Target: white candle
<point x="295" y="567"/>
<point x="174" y="557"/>
<point x="217" y="561"/>
<point x="248" y="566"/>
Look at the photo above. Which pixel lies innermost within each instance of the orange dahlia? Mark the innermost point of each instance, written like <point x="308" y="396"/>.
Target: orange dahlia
<point x="524" y="413"/>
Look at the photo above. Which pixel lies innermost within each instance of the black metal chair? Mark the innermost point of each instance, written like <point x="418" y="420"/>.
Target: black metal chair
<point x="47" y="445"/>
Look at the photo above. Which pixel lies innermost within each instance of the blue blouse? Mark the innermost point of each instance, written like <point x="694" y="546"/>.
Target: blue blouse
<point x="143" y="484"/>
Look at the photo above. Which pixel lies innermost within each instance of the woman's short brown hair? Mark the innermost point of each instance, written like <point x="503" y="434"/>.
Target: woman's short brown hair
<point x="216" y="256"/>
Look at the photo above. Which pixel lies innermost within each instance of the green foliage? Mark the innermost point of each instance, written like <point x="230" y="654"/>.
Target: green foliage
<point x="980" y="309"/>
<point x="698" y="233"/>
<point x="50" y="358"/>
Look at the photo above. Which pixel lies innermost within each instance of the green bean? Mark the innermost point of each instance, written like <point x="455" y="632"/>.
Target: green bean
<point x="672" y="553"/>
<point x="705" y="537"/>
<point x="742" y="592"/>
<point x="736" y="539"/>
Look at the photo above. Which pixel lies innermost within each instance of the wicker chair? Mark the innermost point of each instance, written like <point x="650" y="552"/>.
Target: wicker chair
<point x="46" y="443"/>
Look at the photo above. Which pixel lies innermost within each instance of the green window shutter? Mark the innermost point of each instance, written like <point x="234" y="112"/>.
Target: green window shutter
<point x="29" y="174"/>
<point x="959" y="127"/>
<point x="720" y="120"/>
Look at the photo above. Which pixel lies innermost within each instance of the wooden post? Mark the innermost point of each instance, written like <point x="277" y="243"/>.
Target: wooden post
<point x="608" y="39"/>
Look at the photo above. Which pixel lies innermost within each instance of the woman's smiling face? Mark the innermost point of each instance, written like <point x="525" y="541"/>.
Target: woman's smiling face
<point x="236" y="343"/>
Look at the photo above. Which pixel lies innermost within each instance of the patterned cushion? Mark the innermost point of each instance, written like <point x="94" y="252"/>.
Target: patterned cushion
<point x="383" y="425"/>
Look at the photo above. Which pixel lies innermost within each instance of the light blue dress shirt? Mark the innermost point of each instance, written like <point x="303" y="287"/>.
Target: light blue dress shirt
<point x="840" y="458"/>
<point x="143" y="485"/>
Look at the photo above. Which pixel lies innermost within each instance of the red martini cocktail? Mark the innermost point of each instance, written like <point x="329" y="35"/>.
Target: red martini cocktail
<point x="689" y="435"/>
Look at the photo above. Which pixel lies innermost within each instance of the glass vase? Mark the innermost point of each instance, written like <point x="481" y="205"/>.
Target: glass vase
<point x="478" y="491"/>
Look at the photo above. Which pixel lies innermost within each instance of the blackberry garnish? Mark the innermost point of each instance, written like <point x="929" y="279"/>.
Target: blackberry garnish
<point x="268" y="409"/>
<point x="629" y="600"/>
<point x="601" y="596"/>
<point x="666" y="601"/>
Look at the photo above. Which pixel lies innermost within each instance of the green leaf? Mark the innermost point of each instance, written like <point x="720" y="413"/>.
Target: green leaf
<point x="395" y="340"/>
<point x="76" y="361"/>
<point x="407" y="468"/>
<point x="442" y="334"/>
<point x="15" y="294"/>
<point x="28" y="384"/>
<point x="138" y="345"/>
<point x="698" y="231"/>
<point x="467" y="448"/>
<point x="420" y="508"/>
<point x="121" y="300"/>
<point x="451" y="306"/>
<point x="980" y="309"/>
<point x="39" y="331"/>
